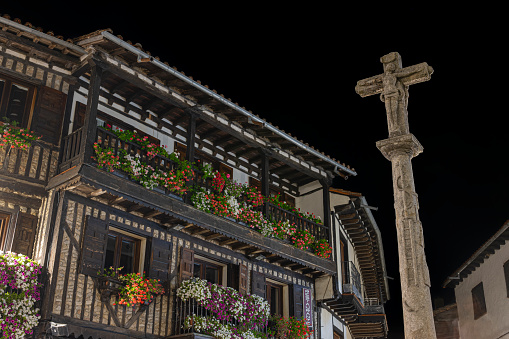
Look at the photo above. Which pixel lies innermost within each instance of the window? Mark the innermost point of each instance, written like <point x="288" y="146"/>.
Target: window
<point x="506" y="273"/>
<point x="4" y="224"/>
<point x="105" y="245"/>
<point x="211" y="272"/>
<point x="274" y="295"/>
<point x="122" y="251"/>
<point x="16" y="100"/>
<point x="478" y="300"/>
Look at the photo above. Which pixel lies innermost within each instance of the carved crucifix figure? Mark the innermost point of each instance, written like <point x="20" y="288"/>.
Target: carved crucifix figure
<point x="393" y="88"/>
<point x="400" y="148"/>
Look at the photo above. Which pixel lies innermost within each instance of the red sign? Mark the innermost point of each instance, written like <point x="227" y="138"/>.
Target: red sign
<point x="308" y="306"/>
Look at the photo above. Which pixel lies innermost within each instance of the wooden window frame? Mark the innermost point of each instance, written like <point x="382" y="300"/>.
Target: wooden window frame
<point x="137" y="250"/>
<point x="203" y="269"/>
<point x="479" y="301"/>
<point x="28" y="111"/>
<point x="268" y="293"/>
<point x="4" y="226"/>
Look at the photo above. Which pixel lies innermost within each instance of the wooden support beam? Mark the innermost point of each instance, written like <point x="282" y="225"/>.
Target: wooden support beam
<point x="214" y="236"/>
<point x="90" y="123"/>
<point x="134" y="207"/>
<point x="228" y="241"/>
<point x="208" y="133"/>
<point x="116" y="201"/>
<point x="152" y="214"/>
<point x="96" y="193"/>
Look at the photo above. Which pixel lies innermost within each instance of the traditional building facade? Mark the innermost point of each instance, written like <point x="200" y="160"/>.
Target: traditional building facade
<point x="61" y="205"/>
<point x="481" y="287"/>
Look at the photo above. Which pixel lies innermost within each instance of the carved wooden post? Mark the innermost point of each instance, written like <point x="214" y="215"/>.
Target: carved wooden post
<point x="67" y="120"/>
<point x="265" y="179"/>
<point x="326" y="209"/>
<point x="190" y="138"/>
<point x="90" y="125"/>
<point x="399" y="149"/>
<point x="190" y="150"/>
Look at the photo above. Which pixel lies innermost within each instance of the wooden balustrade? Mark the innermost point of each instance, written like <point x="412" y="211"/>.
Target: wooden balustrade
<point x="109" y="140"/>
<point x="36" y="164"/>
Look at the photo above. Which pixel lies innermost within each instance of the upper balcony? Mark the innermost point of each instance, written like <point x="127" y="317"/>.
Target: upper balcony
<point x="121" y="81"/>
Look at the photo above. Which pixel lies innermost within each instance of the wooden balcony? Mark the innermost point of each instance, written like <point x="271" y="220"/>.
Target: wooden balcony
<point x="28" y="171"/>
<point x="364" y="314"/>
<point x="176" y="210"/>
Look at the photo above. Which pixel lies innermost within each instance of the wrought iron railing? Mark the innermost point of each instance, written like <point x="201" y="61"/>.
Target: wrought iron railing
<point x="184" y="311"/>
<point x="352" y="283"/>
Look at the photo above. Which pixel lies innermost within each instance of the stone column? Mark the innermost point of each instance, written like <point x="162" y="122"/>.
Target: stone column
<point x="414" y="274"/>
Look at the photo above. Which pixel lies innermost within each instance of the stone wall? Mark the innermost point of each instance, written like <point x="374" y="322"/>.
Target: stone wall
<point x="75" y="295"/>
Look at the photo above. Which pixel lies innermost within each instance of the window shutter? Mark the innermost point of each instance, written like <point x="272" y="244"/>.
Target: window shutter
<point x="233" y="276"/>
<point x="258" y="284"/>
<point x="297" y="303"/>
<point x="47" y="120"/>
<point x="160" y="260"/>
<point x="24" y="235"/>
<point x="94" y="246"/>
<point x="186" y="264"/>
<point x="243" y="279"/>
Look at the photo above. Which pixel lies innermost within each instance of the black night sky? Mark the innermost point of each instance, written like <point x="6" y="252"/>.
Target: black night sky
<point x="297" y="67"/>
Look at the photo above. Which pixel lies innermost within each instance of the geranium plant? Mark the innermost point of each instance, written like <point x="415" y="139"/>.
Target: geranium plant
<point x="322" y="248"/>
<point x="302" y="239"/>
<point x="15" y="137"/>
<point x="289" y="328"/>
<point x="19" y="290"/>
<point x="138" y="290"/>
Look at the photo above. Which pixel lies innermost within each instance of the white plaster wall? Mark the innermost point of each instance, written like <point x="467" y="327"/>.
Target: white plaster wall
<point x="495" y="323"/>
<point x="312" y="203"/>
<point x="326" y="330"/>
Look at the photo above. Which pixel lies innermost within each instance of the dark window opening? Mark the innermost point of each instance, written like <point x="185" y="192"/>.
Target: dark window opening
<point x="211" y="272"/>
<point x="122" y="251"/>
<point x="274" y="295"/>
<point x="478" y="300"/>
<point x="15" y="101"/>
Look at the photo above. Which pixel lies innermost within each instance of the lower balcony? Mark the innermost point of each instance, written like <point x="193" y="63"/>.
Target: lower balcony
<point x="362" y="310"/>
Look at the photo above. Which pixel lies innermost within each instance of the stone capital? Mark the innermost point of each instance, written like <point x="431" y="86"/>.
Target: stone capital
<point x="401" y="144"/>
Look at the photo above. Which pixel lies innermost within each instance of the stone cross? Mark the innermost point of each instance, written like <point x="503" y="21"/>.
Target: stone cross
<point x="399" y="149"/>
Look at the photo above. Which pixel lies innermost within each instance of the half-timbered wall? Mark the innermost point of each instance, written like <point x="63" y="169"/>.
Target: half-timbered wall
<point x="75" y="299"/>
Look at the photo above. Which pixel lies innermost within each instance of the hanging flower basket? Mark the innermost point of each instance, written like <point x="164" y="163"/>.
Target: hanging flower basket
<point x="109" y="286"/>
<point x="13" y="136"/>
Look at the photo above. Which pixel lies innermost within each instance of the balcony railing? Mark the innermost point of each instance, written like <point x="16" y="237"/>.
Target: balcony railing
<point x="37" y="164"/>
<point x="71" y="149"/>
<point x="276" y="213"/>
<point x="352" y="283"/>
<point x="186" y="310"/>
<point x="72" y="153"/>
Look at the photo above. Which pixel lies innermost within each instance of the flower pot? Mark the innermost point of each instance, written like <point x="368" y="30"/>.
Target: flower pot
<point x="108" y="286"/>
